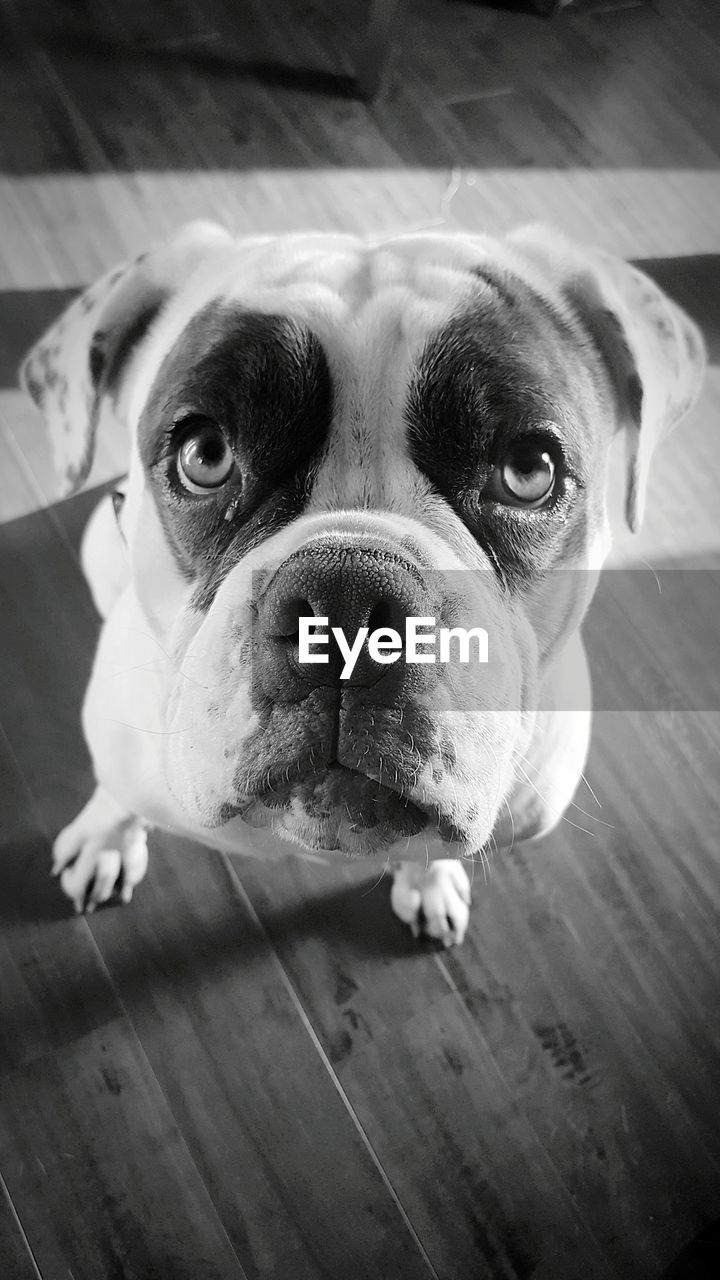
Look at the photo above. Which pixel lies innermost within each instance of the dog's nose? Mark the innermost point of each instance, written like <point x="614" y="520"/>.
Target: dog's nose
<point x="353" y="587"/>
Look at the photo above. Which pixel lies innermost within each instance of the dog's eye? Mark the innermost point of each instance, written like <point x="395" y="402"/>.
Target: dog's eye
<point x="525" y="476"/>
<point x="205" y="460"/>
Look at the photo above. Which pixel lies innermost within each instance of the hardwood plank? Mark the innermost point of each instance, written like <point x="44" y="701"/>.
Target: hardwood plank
<point x="617" y="1070"/>
<point x="25" y="314"/>
<point x="55" y="988"/>
<point x="34" y="129"/>
<point x="95" y="1167"/>
<point x="641" y="658"/>
<point x="16" y="1258"/>
<point x="621" y="81"/>
<point x="47" y="630"/>
<point x="98" y="1171"/>
<point x="282" y="1154"/>
<point x="41" y="948"/>
<point x="623" y="89"/>
<point x="419" y="1073"/>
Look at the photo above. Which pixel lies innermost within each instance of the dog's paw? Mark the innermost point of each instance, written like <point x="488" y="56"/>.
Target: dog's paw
<point x="102" y="854"/>
<point x="434" y="900"/>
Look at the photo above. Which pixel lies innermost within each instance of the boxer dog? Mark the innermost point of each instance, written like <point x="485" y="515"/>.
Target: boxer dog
<point x="363" y="433"/>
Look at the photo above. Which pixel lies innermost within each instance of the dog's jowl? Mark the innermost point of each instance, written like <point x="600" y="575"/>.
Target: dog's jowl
<point x="364" y="446"/>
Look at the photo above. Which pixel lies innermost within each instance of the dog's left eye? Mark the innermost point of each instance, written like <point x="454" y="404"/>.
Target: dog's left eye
<point x="525" y="475"/>
<point x="205" y="460"/>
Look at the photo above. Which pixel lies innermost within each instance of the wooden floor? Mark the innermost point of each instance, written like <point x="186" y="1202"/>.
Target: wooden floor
<point x="253" y="1071"/>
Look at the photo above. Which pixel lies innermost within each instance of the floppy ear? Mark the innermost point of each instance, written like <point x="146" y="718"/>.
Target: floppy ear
<point x="653" y="351"/>
<point x="80" y="360"/>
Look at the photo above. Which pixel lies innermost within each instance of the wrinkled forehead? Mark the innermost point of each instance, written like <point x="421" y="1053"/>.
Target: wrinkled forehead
<point x="358" y="299"/>
<point x="343" y="272"/>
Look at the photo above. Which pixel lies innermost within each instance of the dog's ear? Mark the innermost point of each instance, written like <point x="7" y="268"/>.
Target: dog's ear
<point x="653" y="351"/>
<point x="80" y="360"/>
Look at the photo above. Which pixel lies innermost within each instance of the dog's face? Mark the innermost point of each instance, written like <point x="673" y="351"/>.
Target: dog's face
<point x="364" y="434"/>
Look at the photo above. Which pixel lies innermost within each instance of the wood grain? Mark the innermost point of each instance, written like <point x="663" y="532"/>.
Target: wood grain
<point x="15" y="1255"/>
<point x="98" y="1171"/>
<point x="94" y="1165"/>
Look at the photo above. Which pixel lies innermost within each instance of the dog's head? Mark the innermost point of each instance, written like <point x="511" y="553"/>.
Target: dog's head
<point x="365" y="434"/>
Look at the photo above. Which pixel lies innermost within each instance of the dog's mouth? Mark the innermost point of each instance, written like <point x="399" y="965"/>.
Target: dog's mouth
<point x="344" y="810"/>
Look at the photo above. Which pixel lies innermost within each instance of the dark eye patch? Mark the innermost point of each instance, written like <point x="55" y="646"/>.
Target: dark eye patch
<point x="502" y="370"/>
<point x="264" y="380"/>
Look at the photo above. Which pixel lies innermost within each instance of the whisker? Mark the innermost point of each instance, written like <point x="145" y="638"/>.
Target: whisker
<point x="572" y="804"/>
<point x="652" y="571"/>
<point x="383" y="873"/>
<point x="512" y="824"/>
<point x="148" y="635"/>
<point x="563" y="817"/>
<point x="140" y="666"/>
<point x="592" y="793"/>
<point x="161" y="733"/>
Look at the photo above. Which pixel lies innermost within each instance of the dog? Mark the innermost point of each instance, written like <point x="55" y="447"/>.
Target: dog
<point x="357" y="433"/>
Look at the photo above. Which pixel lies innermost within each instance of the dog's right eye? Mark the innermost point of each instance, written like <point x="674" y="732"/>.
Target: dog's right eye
<point x="205" y="460"/>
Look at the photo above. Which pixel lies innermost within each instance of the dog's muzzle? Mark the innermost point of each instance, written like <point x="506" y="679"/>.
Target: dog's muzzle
<point x="352" y="757"/>
<point x="352" y="587"/>
<point x="366" y="727"/>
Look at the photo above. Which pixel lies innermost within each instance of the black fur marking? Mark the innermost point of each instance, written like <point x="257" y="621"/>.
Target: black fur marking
<point x="118" y="502"/>
<point x="265" y="381"/>
<point x="96" y="358"/>
<point x="506" y="367"/>
<point x="606" y="336"/>
<point x="111" y="351"/>
<point x="634" y="393"/>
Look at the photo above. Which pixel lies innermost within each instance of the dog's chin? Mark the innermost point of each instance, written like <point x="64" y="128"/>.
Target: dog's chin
<point x="344" y="812"/>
